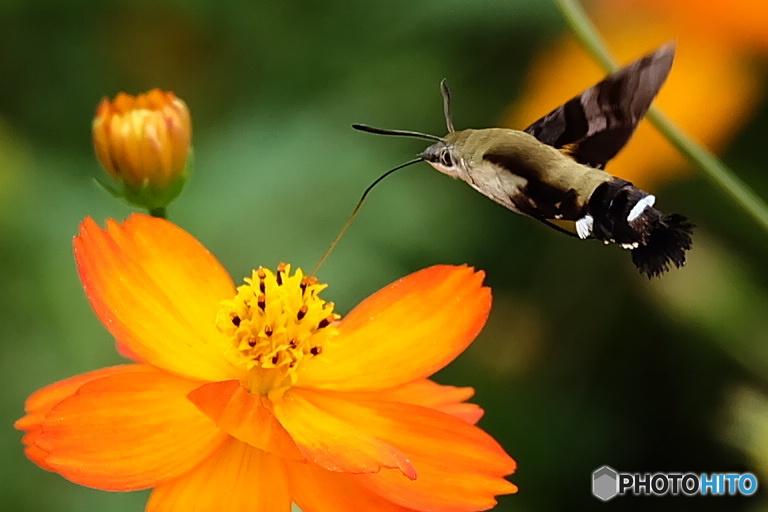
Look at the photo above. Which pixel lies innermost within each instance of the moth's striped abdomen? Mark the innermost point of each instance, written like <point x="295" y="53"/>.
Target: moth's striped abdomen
<point x="621" y="213"/>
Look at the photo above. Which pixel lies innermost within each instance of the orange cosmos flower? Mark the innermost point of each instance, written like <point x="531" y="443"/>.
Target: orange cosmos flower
<point x="254" y="397"/>
<point x="144" y="143"/>
<point x="711" y="92"/>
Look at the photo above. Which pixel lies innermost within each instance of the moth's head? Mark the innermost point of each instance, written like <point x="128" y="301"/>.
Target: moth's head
<point x="442" y="154"/>
<point x="443" y="157"/>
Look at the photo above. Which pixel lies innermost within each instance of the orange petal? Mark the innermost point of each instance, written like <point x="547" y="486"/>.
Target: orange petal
<point x="245" y="416"/>
<point x="404" y="332"/>
<point x="157" y="290"/>
<point x="334" y="444"/>
<point x="427" y="393"/>
<point x="125" y="431"/>
<point x="314" y="489"/>
<point x="471" y="413"/>
<point x="237" y="478"/>
<point x="459" y="467"/>
<point x="438" y="488"/>
<point x="42" y="401"/>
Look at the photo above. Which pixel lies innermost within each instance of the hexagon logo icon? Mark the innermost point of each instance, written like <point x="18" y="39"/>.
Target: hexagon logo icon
<point x="605" y="483"/>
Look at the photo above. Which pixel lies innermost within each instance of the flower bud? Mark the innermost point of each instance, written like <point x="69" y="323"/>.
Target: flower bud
<point x="143" y="142"/>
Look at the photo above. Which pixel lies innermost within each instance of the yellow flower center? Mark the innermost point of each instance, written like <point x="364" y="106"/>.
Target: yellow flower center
<point x="275" y="321"/>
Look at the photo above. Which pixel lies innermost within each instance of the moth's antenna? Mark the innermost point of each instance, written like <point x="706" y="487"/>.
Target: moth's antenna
<point x="447" y="105"/>
<point x="357" y="209"/>
<point x="402" y="133"/>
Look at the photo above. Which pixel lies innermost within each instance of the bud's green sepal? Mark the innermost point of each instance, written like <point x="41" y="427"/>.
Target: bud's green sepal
<point x="148" y="197"/>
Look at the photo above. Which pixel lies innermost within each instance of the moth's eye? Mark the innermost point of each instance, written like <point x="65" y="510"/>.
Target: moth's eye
<point x="446" y="159"/>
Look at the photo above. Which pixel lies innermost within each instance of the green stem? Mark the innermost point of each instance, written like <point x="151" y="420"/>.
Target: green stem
<point x="712" y="168"/>
<point x="160" y="212"/>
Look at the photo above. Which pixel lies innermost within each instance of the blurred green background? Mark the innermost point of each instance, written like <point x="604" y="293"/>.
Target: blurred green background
<point x="583" y="361"/>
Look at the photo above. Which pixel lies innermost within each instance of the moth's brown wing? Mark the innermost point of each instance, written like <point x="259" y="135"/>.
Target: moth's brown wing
<point x="592" y="127"/>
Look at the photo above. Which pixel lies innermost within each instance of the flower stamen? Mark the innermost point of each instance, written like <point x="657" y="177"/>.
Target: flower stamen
<point x="290" y="322"/>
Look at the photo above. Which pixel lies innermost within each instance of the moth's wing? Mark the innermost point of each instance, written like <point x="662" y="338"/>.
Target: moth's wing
<point x="592" y="127"/>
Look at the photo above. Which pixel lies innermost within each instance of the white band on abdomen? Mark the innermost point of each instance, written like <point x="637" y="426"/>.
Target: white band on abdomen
<point x="640" y="207"/>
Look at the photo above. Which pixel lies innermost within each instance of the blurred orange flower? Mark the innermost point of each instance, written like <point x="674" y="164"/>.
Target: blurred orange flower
<point x="711" y="91"/>
<point x="143" y="142"/>
<point x="256" y="397"/>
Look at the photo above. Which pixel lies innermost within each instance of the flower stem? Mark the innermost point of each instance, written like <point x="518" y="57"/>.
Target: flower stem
<point x="160" y="212"/>
<point x="712" y="168"/>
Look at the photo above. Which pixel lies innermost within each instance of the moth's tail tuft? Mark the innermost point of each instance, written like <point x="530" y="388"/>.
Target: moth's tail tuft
<point x="669" y="239"/>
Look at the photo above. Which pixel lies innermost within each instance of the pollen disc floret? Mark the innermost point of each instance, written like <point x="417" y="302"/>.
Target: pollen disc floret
<point x="275" y="321"/>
